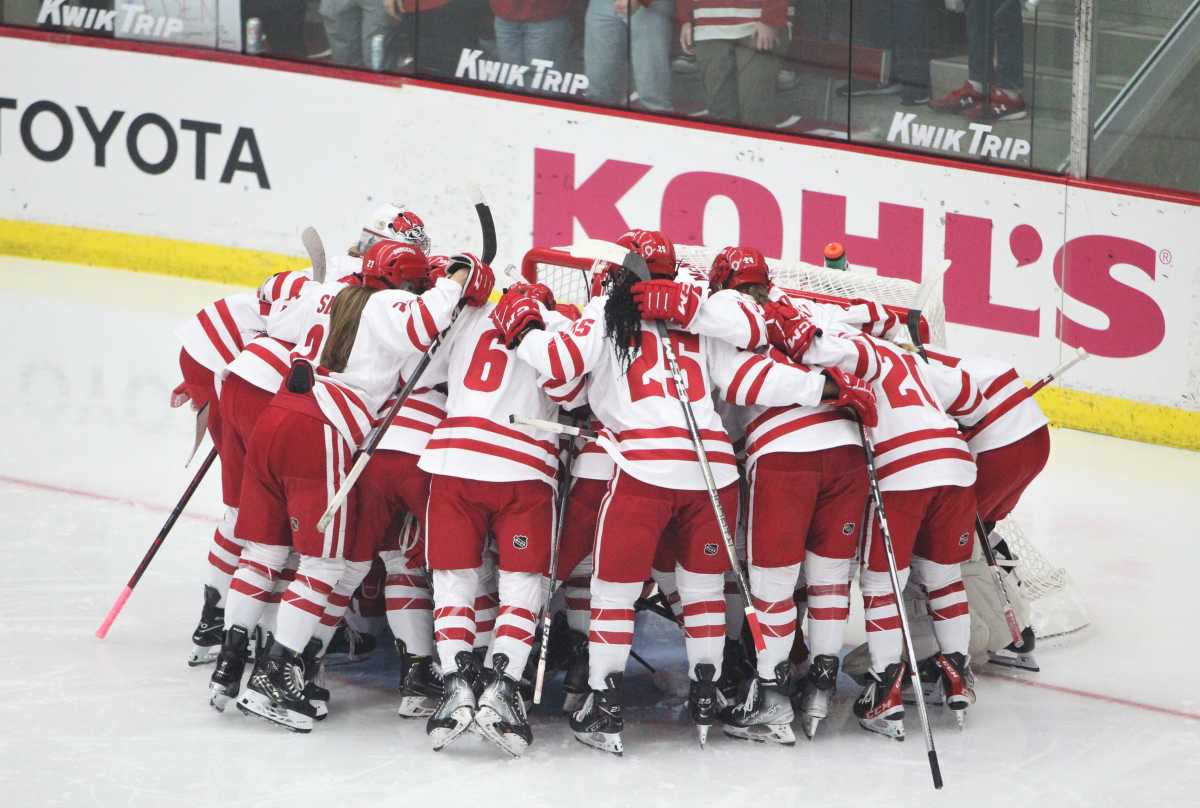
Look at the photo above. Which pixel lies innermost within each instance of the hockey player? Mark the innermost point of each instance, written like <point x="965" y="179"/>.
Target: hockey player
<point x="658" y="480"/>
<point x="486" y="476"/>
<point x="807" y="494"/>
<point x="926" y="476"/>
<point x="300" y="451"/>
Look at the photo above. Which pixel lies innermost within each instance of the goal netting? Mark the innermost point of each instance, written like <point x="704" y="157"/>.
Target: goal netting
<point x="1056" y="606"/>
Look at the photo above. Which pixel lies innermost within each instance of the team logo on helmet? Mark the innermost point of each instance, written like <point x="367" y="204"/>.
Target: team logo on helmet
<point x="295" y="524"/>
<point x="520" y="541"/>
<point x="847" y="528"/>
<point x="409" y="227"/>
<point x="710" y="549"/>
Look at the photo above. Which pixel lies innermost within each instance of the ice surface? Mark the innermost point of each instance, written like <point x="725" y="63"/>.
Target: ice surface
<point x="93" y="459"/>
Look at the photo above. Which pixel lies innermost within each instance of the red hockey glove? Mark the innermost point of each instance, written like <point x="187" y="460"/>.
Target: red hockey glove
<point x="514" y="315"/>
<point x="538" y="291"/>
<point x="855" y="394"/>
<point x="479" y="282"/>
<point x="568" y="310"/>
<point x="667" y="300"/>
<point x="180" y="395"/>
<point x="792" y="335"/>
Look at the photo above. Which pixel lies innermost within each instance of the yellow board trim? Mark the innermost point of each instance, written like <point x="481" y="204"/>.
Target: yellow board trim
<point x="1073" y="409"/>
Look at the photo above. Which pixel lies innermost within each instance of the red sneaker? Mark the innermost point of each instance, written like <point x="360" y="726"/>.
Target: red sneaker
<point x="1005" y="105"/>
<point x="963" y="100"/>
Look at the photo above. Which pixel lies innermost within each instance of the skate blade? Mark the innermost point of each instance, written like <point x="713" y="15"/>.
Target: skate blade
<point x="702" y="733"/>
<point x="763" y="733"/>
<point x="203" y="655"/>
<point x="218" y="698"/>
<point x="487" y="720"/>
<point x="417" y="706"/>
<point x="809" y="724"/>
<point x="441" y="737"/>
<point x="1024" y="662"/>
<point x="605" y="742"/>
<point x="572" y="702"/>
<point x="888" y="727"/>
<point x="961" y="717"/>
<point x="259" y="706"/>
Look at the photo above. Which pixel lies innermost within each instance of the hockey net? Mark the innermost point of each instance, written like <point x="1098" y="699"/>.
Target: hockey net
<point x="1054" y="602"/>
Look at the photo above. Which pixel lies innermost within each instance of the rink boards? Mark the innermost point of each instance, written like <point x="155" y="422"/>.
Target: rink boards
<point x="162" y="160"/>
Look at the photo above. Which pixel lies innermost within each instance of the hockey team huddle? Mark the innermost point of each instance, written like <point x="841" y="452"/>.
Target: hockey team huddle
<point x="623" y="443"/>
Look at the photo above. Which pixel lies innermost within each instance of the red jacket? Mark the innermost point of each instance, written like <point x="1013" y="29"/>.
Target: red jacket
<point x="530" y="10"/>
<point x="771" y="12"/>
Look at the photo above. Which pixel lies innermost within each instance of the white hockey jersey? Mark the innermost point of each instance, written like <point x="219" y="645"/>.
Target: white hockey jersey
<point x="644" y="430"/>
<point x="917" y="445"/>
<point x="394" y="325"/>
<point x="486" y="383"/>
<point x="219" y="331"/>
<point x="1008" y="411"/>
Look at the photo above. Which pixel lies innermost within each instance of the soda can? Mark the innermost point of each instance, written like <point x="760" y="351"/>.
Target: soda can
<point x="375" y="54"/>
<point x="254" y="35"/>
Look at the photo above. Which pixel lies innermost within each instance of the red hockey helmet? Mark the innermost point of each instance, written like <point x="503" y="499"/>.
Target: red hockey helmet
<point x="396" y="223"/>
<point x="656" y="248"/>
<point x="600" y="271"/>
<point x="394" y="264"/>
<point x="738" y="266"/>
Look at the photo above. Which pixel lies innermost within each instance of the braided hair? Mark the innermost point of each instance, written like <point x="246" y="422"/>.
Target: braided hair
<point x="622" y="321"/>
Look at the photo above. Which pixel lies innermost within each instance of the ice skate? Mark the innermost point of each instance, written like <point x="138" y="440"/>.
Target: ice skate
<point x="575" y="683"/>
<point x="880" y="708"/>
<point x="765" y="712"/>
<point x="315" y="693"/>
<point x="420" y="684"/>
<point x="500" y="715"/>
<point x="231" y="662"/>
<point x="599" y="723"/>
<point x="350" y="645"/>
<point x="276" y="691"/>
<point x="736" y="670"/>
<point x="260" y="643"/>
<point x="210" y="631"/>
<point x="1017" y="656"/>
<point x="816" y="692"/>
<point x="704" y="700"/>
<point x="957" y="684"/>
<point x="455" y="712"/>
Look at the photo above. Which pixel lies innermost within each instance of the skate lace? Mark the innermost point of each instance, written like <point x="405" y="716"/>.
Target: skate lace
<point x="293" y="677"/>
<point x="747" y="705"/>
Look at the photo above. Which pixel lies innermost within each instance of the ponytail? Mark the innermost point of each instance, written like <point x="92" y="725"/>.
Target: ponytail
<point x="343" y="326"/>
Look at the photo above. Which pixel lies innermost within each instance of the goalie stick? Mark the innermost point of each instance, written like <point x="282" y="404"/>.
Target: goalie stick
<point x="635" y="264"/>
<point x="364" y="453"/>
<point x="119" y="603"/>
<point x="316" y="252"/>
<point x="554" y="426"/>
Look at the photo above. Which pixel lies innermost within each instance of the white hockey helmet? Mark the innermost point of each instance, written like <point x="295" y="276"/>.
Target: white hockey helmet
<point x="394" y="222"/>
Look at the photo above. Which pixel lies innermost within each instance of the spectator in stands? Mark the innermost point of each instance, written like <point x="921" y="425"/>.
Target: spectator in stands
<point x="911" y="50"/>
<point x="350" y="25"/>
<point x="872" y="28"/>
<point x="619" y="32"/>
<point x="991" y="24"/>
<point x="737" y="45"/>
<point x="533" y="29"/>
<point x="440" y="29"/>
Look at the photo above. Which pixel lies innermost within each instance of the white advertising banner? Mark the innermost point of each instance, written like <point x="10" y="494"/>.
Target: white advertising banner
<point x="233" y="155"/>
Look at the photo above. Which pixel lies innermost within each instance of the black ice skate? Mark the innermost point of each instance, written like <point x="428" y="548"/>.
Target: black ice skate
<point x="816" y="692"/>
<point x="260" y="643"/>
<point x="1018" y="655"/>
<point x="736" y="670"/>
<point x="704" y="700"/>
<point x="231" y="662"/>
<point x="420" y="684"/>
<point x="575" y="683"/>
<point x="315" y="691"/>
<point x="598" y="723"/>
<point x="276" y="691"/>
<point x="501" y="712"/>
<point x="349" y="645"/>
<point x="880" y="708"/>
<point x="455" y="712"/>
<point x="957" y="684"/>
<point x="210" y="631"/>
<point x="765" y="711"/>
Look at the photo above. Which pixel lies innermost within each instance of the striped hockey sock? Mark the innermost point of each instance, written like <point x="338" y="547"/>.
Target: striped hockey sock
<point x="883" y="620"/>
<point x="339" y="600"/>
<point x="771" y="589"/>
<point x="702" y="597"/>
<point x="409" y="602"/>
<point x="520" y="601"/>
<point x="223" y="554"/>
<point x="577" y="595"/>
<point x="828" y="602"/>
<point x="305" y="601"/>
<point x="454" y="614"/>
<point x="947" y="598"/>
<point x="259" y="567"/>
<point x="610" y="634"/>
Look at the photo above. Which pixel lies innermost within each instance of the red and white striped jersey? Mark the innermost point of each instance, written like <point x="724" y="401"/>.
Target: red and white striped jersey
<point x="917" y="445"/>
<point x="790" y="428"/>
<point x="866" y="316"/>
<point x="1008" y="411"/>
<point x="393" y="326"/>
<point x="264" y="363"/>
<point x="730" y="316"/>
<point x="416" y="419"/>
<point x="220" y="330"/>
<point x="644" y="429"/>
<point x="487" y="384"/>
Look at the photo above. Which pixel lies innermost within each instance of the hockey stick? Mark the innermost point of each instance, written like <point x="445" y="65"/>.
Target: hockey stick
<point x="119" y="604"/>
<point x="364" y="453"/>
<point x="1079" y="356"/>
<point x="486" y="225"/>
<point x="201" y="428"/>
<point x="316" y="252"/>
<point x="554" y="426"/>
<point x="894" y="574"/>
<point x="564" y="489"/>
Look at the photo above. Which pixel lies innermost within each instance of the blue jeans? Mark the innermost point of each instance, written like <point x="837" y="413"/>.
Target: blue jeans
<point x="520" y="43"/>
<point x="611" y="45"/>
<point x="1006" y="37"/>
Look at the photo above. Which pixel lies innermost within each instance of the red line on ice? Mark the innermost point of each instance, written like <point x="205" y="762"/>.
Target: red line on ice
<point x="75" y="492"/>
<point x="1087" y="694"/>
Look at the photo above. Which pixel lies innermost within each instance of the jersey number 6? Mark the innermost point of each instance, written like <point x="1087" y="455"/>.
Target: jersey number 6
<point x="488" y="363"/>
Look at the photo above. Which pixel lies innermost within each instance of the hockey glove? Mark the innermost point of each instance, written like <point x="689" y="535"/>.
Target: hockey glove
<point x="479" y="282"/>
<point x="568" y="310"/>
<point x="180" y="395"/>
<point x="538" y="291"/>
<point x="792" y="335"/>
<point x="514" y="315"/>
<point x="667" y="300"/>
<point x="854" y="394"/>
